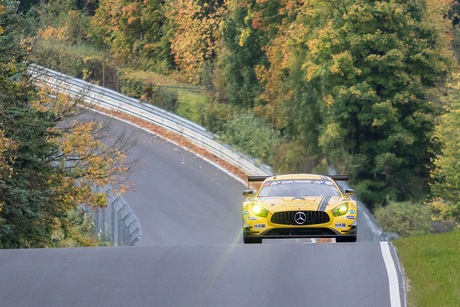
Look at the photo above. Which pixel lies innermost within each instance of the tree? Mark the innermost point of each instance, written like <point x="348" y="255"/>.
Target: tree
<point x="134" y="29"/>
<point x="368" y="70"/>
<point x="49" y="159"/>
<point x="247" y="29"/>
<point x="445" y="190"/>
<point x="23" y="182"/>
<point x="196" y="34"/>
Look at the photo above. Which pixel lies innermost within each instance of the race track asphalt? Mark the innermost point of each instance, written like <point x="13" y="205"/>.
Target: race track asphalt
<point x="191" y="252"/>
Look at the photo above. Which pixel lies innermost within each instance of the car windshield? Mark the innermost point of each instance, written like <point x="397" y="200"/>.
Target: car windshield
<point x="298" y="187"/>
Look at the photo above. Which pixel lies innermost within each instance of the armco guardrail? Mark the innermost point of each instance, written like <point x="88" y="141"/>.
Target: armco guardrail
<point x="116" y="221"/>
<point x="112" y="100"/>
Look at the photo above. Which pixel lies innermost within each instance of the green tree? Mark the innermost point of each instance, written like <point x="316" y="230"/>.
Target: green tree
<point x="24" y="183"/>
<point x="252" y="135"/>
<point x="369" y="69"/>
<point x="247" y="29"/>
<point x="446" y="188"/>
<point x="49" y="160"/>
<point x="133" y="30"/>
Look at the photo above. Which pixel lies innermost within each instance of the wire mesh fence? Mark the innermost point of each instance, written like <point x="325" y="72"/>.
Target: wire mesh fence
<point x="116" y="221"/>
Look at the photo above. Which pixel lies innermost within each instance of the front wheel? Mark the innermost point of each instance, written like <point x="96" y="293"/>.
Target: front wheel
<point x="252" y="240"/>
<point x="346" y="239"/>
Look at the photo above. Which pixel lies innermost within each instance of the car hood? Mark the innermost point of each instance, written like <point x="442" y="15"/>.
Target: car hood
<point x="307" y="203"/>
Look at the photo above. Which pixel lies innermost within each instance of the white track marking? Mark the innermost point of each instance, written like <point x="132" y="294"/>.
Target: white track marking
<point x="189" y="150"/>
<point x="395" y="298"/>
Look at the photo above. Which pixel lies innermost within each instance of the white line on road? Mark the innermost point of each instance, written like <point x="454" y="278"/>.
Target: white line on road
<point x="393" y="281"/>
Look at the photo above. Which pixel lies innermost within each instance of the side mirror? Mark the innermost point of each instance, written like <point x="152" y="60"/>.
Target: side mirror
<point x="349" y="192"/>
<point x="248" y="193"/>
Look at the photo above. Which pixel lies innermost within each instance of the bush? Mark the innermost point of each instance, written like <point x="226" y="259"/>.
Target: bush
<point x="216" y="115"/>
<point x="162" y="92"/>
<point x="297" y="156"/>
<point x="68" y="59"/>
<point x="251" y="135"/>
<point x="404" y="218"/>
<point x="191" y="106"/>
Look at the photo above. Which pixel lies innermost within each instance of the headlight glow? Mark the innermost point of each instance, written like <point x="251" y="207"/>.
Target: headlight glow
<point x="340" y="210"/>
<point x="259" y="211"/>
<point x="256" y="209"/>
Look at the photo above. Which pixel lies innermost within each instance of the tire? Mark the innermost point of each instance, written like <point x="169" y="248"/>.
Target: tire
<point x="345" y="239"/>
<point x="252" y="240"/>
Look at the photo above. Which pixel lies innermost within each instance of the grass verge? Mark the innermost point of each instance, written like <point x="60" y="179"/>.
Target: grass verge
<point x="432" y="265"/>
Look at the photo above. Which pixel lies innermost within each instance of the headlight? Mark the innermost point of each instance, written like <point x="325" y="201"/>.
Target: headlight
<point x="340" y="210"/>
<point x="259" y="211"/>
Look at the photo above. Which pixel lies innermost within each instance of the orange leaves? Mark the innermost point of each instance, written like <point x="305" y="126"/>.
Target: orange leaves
<point x="52" y="33"/>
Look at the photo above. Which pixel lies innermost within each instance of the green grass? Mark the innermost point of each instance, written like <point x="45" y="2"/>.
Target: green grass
<point x="191" y="105"/>
<point x="80" y="50"/>
<point x="432" y="265"/>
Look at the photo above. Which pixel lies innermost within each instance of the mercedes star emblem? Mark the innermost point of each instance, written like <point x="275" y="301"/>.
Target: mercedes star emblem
<point x="300" y="217"/>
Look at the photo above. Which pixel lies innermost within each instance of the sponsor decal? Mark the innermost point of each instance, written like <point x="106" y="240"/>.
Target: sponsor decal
<point x="297" y="181"/>
<point x="298" y="197"/>
<point x="273" y="204"/>
<point x="306" y="202"/>
<point x="259" y="226"/>
<point x="349" y="217"/>
<point x="352" y="211"/>
<point x="251" y="218"/>
<point x="302" y="181"/>
<point x="340" y="225"/>
<point x="245" y="212"/>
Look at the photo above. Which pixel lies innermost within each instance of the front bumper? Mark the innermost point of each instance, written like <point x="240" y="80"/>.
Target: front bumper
<point x="299" y="232"/>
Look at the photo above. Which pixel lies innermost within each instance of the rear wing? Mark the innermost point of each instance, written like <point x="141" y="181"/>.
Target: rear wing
<point x="257" y="178"/>
<point x="338" y="177"/>
<point x="333" y="177"/>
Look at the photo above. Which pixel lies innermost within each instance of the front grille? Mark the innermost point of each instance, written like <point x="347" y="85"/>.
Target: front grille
<point x="311" y="218"/>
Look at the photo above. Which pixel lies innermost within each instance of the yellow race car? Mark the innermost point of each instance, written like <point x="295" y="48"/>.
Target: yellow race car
<point x="299" y="206"/>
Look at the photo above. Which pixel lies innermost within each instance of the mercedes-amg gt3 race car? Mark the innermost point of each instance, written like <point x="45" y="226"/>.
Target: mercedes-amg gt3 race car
<point x="299" y="206"/>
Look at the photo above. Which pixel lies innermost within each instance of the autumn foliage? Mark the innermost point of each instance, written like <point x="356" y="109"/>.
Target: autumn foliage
<point x="358" y="85"/>
<point x="50" y="158"/>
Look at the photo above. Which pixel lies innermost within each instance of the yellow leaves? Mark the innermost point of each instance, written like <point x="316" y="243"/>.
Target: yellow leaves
<point x="5" y="164"/>
<point x="329" y="100"/>
<point x="244" y="36"/>
<point x="84" y="159"/>
<point x="343" y="64"/>
<point x="261" y="73"/>
<point x="312" y="70"/>
<point x="196" y="37"/>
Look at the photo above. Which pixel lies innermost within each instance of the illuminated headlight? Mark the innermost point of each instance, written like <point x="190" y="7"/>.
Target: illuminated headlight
<point x="259" y="211"/>
<point x="340" y="210"/>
